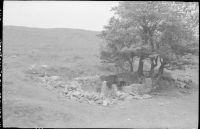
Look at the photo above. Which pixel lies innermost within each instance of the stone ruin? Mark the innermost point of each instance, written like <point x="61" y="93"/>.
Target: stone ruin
<point x="93" y="90"/>
<point x="104" y="90"/>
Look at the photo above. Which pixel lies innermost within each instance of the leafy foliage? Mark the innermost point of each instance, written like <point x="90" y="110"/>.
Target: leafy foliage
<point x="150" y="30"/>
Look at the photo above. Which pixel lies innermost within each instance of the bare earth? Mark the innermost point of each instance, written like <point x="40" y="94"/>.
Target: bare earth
<point x="27" y="104"/>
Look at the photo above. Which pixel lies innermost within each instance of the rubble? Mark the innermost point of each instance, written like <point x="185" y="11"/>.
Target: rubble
<point x="137" y="88"/>
<point x="182" y="81"/>
<point x="105" y="102"/>
<point x="73" y="90"/>
<point x="90" y="89"/>
<point x="146" y="96"/>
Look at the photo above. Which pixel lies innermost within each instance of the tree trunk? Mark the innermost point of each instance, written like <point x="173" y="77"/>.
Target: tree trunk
<point x="131" y="67"/>
<point x="130" y="60"/>
<point x="140" y="67"/>
<point x="151" y="70"/>
<point x="153" y="65"/>
<point x="162" y="66"/>
<point x="161" y="69"/>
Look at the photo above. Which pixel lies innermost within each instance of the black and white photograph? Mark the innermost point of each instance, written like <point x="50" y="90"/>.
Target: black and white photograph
<point x="100" y="64"/>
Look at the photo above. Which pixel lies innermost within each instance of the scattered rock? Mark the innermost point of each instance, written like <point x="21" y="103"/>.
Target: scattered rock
<point x="99" y="101"/>
<point x="183" y="83"/>
<point x="184" y="92"/>
<point x="129" y="97"/>
<point x="91" y="102"/>
<point x="73" y="98"/>
<point x="123" y="96"/>
<point x="54" y="77"/>
<point x="105" y="102"/>
<point x="76" y="93"/>
<point x="137" y="97"/>
<point x="107" y="96"/>
<point x="146" y="96"/>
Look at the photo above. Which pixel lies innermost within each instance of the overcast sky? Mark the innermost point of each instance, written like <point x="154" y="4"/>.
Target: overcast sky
<point x="90" y="15"/>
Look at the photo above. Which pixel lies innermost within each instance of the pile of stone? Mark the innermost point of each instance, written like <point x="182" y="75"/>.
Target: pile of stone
<point x="87" y="97"/>
<point x="183" y="83"/>
<point x="74" y="90"/>
<point x="105" y="96"/>
<point x="182" y="80"/>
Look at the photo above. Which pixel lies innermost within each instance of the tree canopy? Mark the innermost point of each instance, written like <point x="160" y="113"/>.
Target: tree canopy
<point x="152" y="30"/>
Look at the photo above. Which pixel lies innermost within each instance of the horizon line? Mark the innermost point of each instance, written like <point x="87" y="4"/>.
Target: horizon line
<point x="51" y="28"/>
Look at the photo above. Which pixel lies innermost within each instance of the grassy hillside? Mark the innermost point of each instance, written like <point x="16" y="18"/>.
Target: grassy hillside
<point x="57" y="45"/>
<point x="57" y="37"/>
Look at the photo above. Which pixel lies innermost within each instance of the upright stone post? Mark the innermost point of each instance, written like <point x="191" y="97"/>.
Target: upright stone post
<point x="104" y="88"/>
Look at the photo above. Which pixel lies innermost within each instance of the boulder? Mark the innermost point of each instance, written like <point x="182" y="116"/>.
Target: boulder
<point x="137" y="97"/>
<point x="73" y="98"/>
<point x="129" y="97"/>
<point x="99" y="101"/>
<point x="146" y="96"/>
<point x="106" y="102"/>
<point x="83" y="100"/>
<point x="91" y="102"/>
<point x="65" y="91"/>
<point x="54" y="78"/>
<point x="122" y="96"/>
<point x="76" y="93"/>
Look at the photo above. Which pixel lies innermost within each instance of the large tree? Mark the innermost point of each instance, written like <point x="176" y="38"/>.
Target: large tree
<point x="155" y="30"/>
